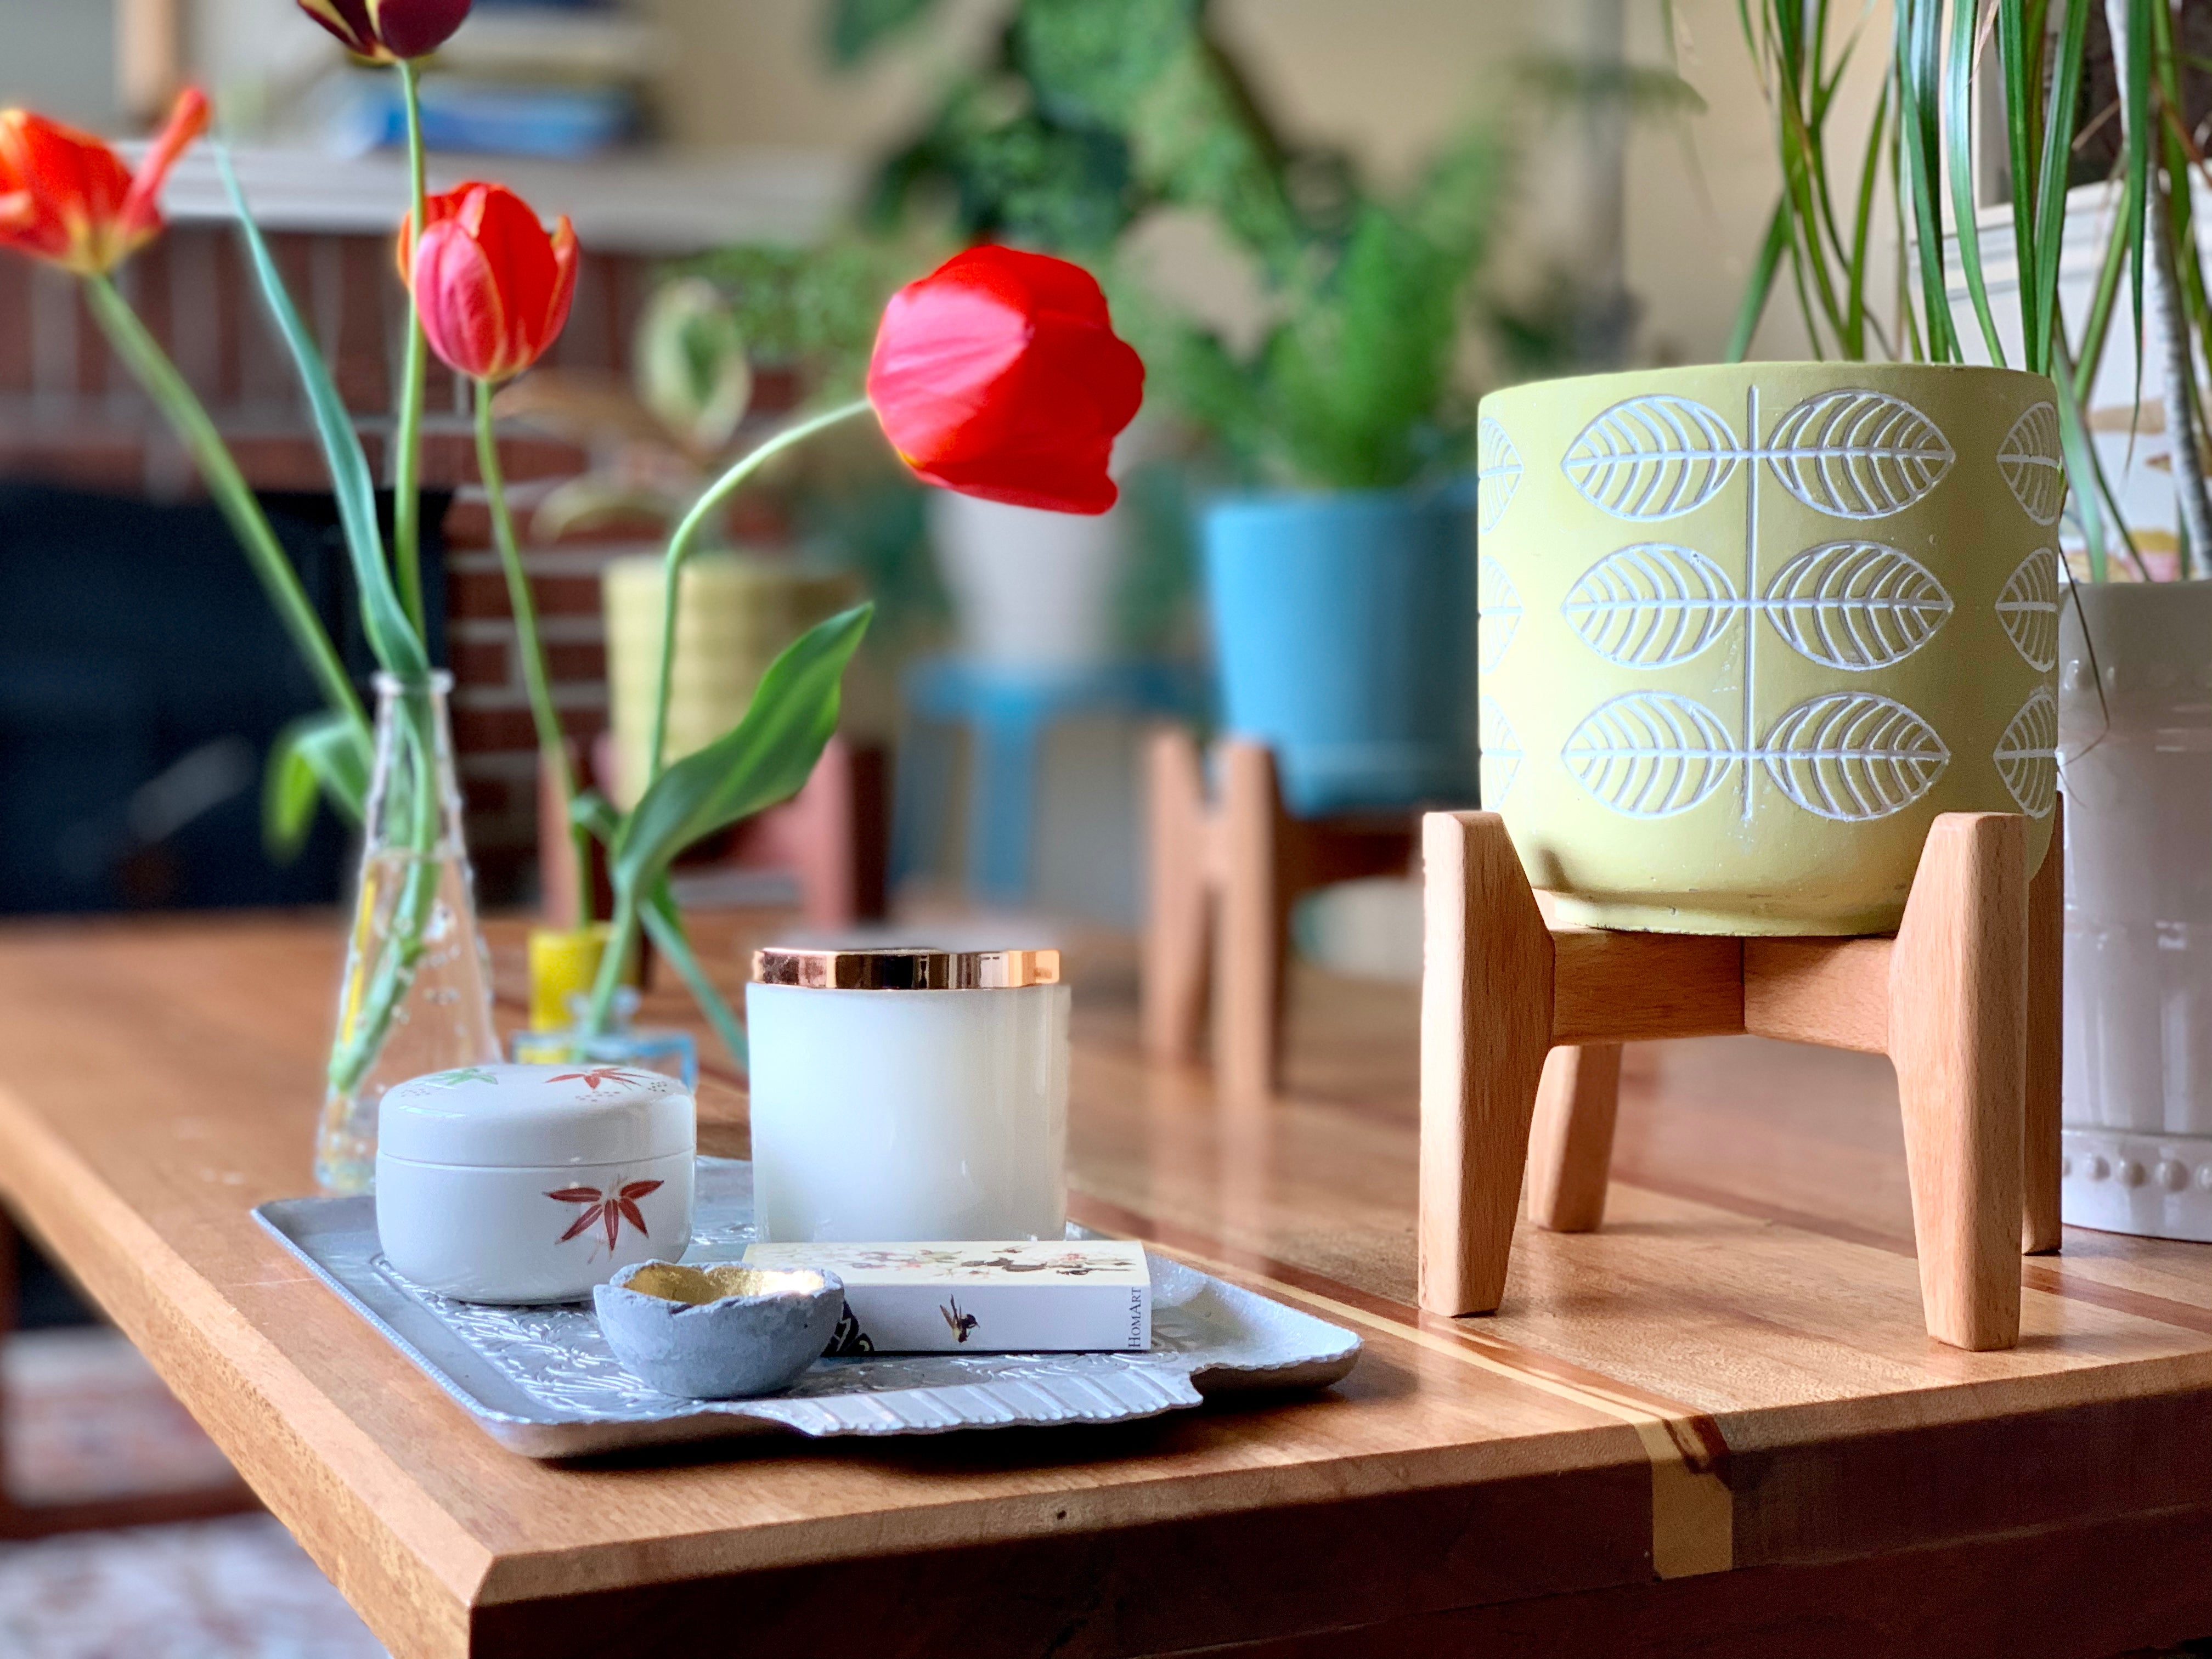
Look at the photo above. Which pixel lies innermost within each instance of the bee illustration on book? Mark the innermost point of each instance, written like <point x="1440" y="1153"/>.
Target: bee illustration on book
<point x="959" y="1323"/>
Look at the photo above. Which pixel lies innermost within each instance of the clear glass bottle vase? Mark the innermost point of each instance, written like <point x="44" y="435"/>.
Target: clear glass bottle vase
<point x="416" y="996"/>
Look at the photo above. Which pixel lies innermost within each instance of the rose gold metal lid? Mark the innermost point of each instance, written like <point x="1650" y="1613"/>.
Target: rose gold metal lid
<point x="906" y="968"/>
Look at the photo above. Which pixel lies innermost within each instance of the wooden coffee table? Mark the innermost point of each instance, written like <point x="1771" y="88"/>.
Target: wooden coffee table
<point x="1715" y="1428"/>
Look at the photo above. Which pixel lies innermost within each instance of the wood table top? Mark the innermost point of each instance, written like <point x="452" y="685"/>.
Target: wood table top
<point x="1716" y="1426"/>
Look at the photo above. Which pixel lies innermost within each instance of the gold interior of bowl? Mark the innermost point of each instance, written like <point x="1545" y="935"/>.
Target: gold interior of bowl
<point x="673" y="1282"/>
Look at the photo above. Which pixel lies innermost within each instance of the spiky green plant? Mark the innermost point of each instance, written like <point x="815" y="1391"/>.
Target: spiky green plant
<point x="1920" y="137"/>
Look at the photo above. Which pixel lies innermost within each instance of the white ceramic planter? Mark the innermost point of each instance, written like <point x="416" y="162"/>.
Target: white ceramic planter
<point x="2136" y="766"/>
<point x="533" y="1184"/>
<point x="1031" y="591"/>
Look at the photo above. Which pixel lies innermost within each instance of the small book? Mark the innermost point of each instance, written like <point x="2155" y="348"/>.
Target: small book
<point x="1056" y="1297"/>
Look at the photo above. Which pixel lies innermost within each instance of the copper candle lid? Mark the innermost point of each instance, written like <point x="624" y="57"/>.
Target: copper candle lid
<point x="906" y="968"/>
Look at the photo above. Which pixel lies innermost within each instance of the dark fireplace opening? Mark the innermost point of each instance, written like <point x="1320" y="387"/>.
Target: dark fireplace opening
<point x="143" y="676"/>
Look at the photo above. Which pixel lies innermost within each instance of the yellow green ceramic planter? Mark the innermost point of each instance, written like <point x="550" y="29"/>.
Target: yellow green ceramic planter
<point x="1746" y="630"/>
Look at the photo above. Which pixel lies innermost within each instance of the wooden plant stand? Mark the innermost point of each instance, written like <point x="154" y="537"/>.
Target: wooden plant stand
<point x="1224" y="876"/>
<point x="1521" y="1023"/>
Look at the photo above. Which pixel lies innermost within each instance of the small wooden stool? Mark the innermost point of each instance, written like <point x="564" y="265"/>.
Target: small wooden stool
<point x="1225" y="875"/>
<point x="1522" y="1025"/>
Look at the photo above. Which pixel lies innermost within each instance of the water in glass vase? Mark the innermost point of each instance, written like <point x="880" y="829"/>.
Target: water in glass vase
<point x="416" y="996"/>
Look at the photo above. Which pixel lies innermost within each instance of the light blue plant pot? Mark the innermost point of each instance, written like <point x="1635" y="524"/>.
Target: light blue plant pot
<point x="1344" y="634"/>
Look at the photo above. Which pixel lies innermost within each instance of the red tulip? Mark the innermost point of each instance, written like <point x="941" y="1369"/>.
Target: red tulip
<point x="491" y="286"/>
<point x="65" y="196"/>
<point x="389" y="30"/>
<point x="1000" y="375"/>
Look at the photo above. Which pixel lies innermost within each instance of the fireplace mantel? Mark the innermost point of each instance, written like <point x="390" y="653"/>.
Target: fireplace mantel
<point x="659" y="202"/>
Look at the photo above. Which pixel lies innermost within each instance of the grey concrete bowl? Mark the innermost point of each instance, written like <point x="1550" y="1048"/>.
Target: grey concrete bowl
<point x="725" y="1332"/>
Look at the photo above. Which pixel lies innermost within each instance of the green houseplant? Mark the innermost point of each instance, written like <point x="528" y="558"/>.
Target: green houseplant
<point x="2098" y="145"/>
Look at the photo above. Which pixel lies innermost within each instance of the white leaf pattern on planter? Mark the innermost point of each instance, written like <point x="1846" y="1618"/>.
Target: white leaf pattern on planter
<point x="2028" y="608"/>
<point x="1497" y="612"/>
<point x="1650" y="753"/>
<point x="1497" y="473"/>
<point x="1651" y="606"/>
<point x="1653" y="457"/>
<point x="1853" y="757"/>
<point x="2032" y="464"/>
<point x="2028" y="754"/>
<point x="1856" y="605"/>
<point x="1858" y="454"/>
<point x="1499" y="753"/>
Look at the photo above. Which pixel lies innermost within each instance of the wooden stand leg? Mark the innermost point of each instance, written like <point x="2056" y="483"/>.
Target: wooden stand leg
<point x="1570" y="1142"/>
<point x="1485" y="1027"/>
<point x="1172" y="991"/>
<point x="1957" y="1008"/>
<point x="2042" y="1147"/>
<point x="1252" y="940"/>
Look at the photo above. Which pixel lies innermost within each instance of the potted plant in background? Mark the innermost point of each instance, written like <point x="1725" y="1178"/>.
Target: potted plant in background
<point x="2099" y="102"/>
<point x="1341" y="598"/>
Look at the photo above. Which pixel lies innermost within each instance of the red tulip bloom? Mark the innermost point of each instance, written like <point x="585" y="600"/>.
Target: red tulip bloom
<point x="65" y="196"/>
<point x="389" y="30"/>
<point x="492" y="287"/>
<point x="1000" y="375"/>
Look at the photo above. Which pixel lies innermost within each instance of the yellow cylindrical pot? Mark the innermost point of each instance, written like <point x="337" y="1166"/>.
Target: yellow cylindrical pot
<point x="734" y="614"/>
<point x="1746" y="630"/>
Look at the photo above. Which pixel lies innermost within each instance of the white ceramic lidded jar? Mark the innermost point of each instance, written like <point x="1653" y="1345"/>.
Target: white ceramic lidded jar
<point x="533" y="1184"/>
<point x="908" y="1094"/>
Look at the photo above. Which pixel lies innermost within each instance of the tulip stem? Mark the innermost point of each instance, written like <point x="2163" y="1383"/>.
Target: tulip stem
<point x="232" y="496"/>
<point x="407" y="440"/>
<point x="552" y="743"/>
<point x="628" y="917"/>
<point x="682" y="544"/>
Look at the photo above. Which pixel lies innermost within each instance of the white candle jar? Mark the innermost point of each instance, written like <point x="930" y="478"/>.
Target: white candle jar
<point x="908" y="1094"/>
<point x="533" y="1184"/>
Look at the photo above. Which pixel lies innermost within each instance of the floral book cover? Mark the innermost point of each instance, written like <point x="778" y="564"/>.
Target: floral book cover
<point x="1022" y="1296"/>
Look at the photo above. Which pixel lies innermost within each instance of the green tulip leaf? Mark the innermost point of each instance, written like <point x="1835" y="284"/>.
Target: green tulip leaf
<point x="665" y="925"/>
<point x="595" y="815"/>
<point x="321" y="754"/>
<point x="390" y="634"/>
<point x="765" y="758"/>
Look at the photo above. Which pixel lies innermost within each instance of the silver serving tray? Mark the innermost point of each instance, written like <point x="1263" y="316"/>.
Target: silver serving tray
<point x="543" y="1383"/>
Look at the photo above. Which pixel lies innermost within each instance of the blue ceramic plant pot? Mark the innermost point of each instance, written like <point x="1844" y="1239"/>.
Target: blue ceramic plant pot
<point x="1344" y="633"/>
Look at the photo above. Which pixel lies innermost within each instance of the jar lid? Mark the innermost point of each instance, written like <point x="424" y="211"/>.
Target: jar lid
<point x="906" y="968"/>
<point x="505" y="1117"/>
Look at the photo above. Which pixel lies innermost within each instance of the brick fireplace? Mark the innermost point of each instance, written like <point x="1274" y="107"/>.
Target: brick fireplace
<point x="70" y="414"/>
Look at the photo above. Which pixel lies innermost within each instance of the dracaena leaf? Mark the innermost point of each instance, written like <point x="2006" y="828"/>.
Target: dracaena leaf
<point x="762" y="760"/>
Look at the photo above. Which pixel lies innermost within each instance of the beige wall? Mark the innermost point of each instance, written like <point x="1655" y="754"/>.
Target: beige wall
<point x="1389" y="78"/>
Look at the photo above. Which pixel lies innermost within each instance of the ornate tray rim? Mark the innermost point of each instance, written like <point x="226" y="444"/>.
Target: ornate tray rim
<point x="1118" y="1388"/>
